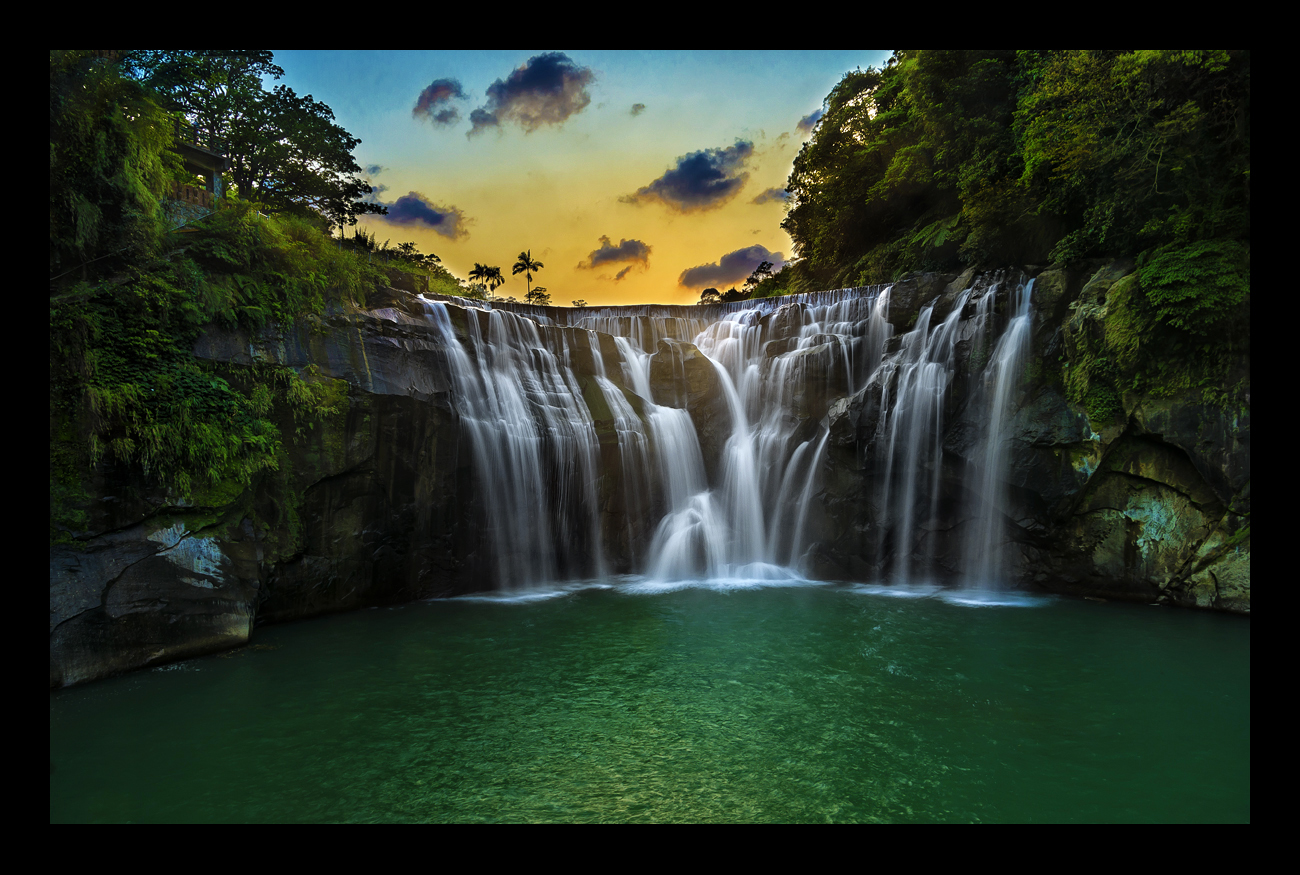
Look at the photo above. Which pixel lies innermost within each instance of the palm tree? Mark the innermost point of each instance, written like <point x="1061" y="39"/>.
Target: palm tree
<point x="526" y="266"/>
<point x="489" y="275"/>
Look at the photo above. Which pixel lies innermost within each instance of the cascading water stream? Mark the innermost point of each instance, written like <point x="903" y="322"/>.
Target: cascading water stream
<point x="553" y="508"/>
<point x="985" y="557"/>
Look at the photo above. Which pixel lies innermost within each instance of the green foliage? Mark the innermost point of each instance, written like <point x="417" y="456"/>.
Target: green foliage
<point x="125" y="389"/>
<point x="945" y="158"/>
<point x="949" y="157"/>
<point x="1138" y="149"/>
<point x="1178" y="324"/>
<point x="285" y="151"/>
<point x="1202" y="289"/>
<point x="109" y="164"/>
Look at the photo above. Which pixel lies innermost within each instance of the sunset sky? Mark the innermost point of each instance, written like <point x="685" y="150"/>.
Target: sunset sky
<point x="635" y="177"/>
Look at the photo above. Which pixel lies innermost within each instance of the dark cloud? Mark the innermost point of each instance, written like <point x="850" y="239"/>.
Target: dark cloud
<point x="701" y="180"/>
<point x="432" y="100"/>
<point x="546" y="90"/>
<point x="622" y="273"/>
<point x="638" y="108"/>
<point x="808" y="122"/>
<point x="734" y="267"/>
<point x="374" y="169"/>
<point x="480" y="120"/>
<point x="626" y="250"/>
<point x="416" y="209"/>
<point x="772" y="194"/>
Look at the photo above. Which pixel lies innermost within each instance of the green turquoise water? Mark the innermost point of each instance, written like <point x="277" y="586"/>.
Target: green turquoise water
<point x="813" y="703"/>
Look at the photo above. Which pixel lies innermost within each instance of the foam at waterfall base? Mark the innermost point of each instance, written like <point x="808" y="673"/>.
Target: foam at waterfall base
<point x="964" y="596"/>
<point x="753" y="575"/>
<point x="532" y="594"/>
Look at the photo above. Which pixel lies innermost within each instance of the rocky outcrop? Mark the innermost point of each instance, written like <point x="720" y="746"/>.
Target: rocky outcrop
<point x="1152" y="503"/>
<point x="358" y="513"/>
<point x="378" y="502"/>
<point x="682" y="376"/>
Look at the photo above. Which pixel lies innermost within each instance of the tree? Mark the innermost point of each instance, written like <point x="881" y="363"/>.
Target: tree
<point x="733" y="295"/>
<point x="489" y="275"/>
<point x="527" y="266"/>
<point x="709" y="296"/>
<point x="539" y="297"/>
<point x="285" y="151"/>
<point x="410" y="252"/>
<point x="762" y="272"/>
<point x="580" y="303"/>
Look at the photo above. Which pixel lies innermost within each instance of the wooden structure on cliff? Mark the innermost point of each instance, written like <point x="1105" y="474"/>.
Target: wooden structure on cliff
<point x="203" y="157"/>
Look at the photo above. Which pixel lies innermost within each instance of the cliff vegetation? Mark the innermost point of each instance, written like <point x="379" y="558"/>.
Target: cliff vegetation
<point x="133" y="282"/>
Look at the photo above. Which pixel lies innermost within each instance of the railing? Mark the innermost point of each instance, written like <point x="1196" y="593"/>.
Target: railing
<point x="196" y="136"/>
<point x="192" y="194"/>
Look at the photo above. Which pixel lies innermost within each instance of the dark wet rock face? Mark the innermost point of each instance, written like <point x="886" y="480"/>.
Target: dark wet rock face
<point x="385" y="500"/>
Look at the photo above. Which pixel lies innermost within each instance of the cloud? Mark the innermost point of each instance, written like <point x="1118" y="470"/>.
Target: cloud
<point x="701" y="180"/>
<point x="416" y="209"/>
<point x="374" y="169"/>
<point x="431" y="102"/>
<point x="772" y="194"/>
<point x="546" y="90"/>
<point x="622" y="273"/>
<point x="808" y="122"/>
<point x="626" y="250"/>
<point x="638" y="108"/>
<point x="734" y="267"/>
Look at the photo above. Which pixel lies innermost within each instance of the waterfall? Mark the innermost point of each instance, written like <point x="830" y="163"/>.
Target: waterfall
<point x="913" y="424"/>
<point x="984" y="554"/>
<point x="585" y="465"/>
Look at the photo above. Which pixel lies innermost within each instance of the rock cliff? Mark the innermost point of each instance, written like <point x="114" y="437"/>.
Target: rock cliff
<point x="379" y="502"/>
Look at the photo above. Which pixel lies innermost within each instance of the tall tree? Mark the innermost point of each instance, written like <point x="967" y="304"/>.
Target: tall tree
<point x="285" y="151"/>
<point x="762" y="272"/>
<point x="489" y="275"/>
<point x="527" y="266"/>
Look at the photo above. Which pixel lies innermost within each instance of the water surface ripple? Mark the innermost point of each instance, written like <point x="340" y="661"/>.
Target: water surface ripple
<point x="627" y="702"/>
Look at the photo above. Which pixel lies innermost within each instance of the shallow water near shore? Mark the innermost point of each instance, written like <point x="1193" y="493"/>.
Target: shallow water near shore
<point x="744" y="700"/>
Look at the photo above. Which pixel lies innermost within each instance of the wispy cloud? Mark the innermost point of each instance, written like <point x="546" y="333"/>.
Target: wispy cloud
<point x="701" y="180"/>
<point x="734" y="267"/>
<point x="808" y="122"/>
<point x="608" y="253"/>
<point x="772" y="194"/>
<point x="432" y="104"/>
<point x="416" y="209"/>
<point x="546" y="90"/>
<point x="638" y="108"/>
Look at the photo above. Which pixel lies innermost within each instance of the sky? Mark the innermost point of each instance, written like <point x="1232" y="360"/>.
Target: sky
<point x="634" y="177"/>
